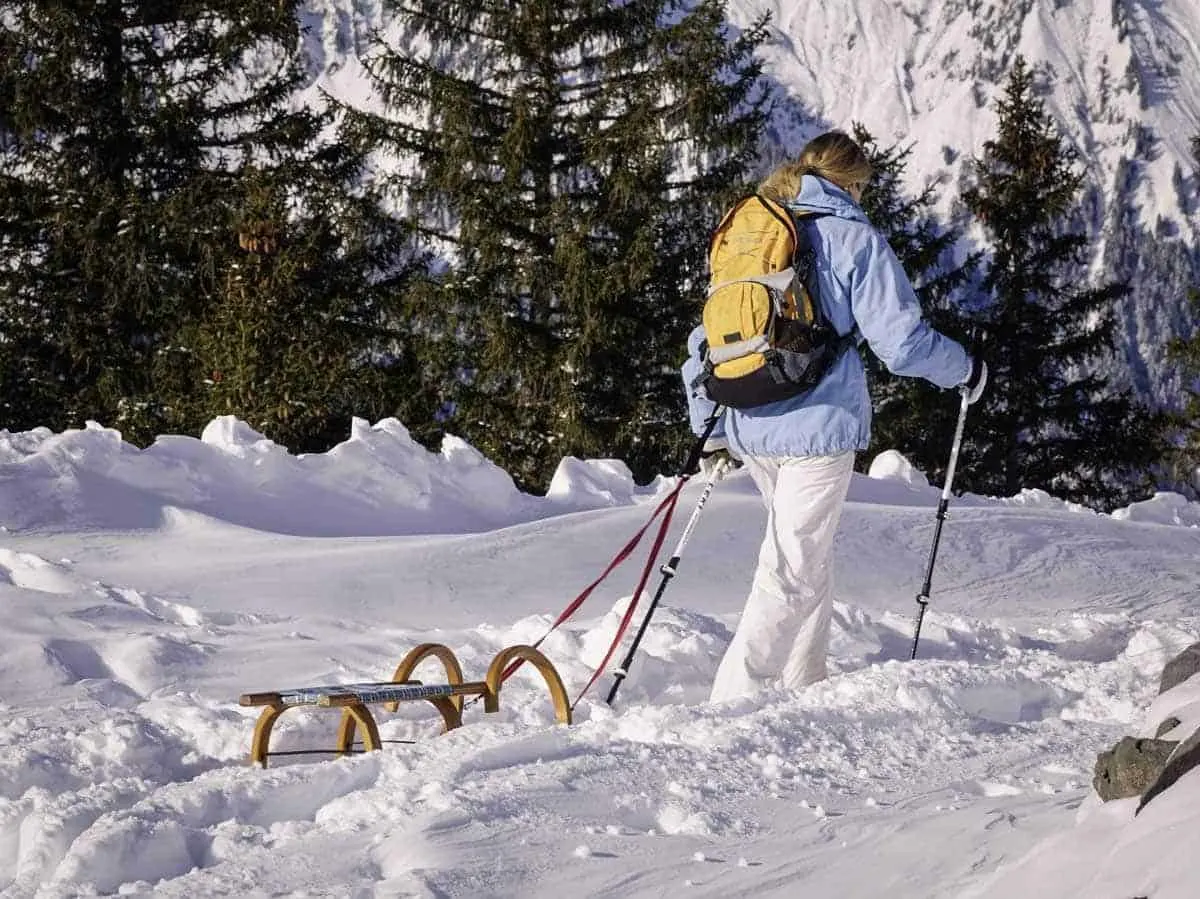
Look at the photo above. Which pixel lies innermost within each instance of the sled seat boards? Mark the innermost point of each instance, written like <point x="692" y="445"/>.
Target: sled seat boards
<point x="355" y="700"/>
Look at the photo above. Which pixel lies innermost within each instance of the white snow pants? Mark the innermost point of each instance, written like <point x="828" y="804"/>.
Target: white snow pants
<point x="783" y="636"/>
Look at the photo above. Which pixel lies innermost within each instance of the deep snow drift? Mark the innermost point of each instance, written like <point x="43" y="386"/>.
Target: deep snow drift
<point x="143" y="591"/>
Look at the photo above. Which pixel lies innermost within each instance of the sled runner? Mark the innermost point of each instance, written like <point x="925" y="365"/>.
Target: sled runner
<point x="355" y="700"/>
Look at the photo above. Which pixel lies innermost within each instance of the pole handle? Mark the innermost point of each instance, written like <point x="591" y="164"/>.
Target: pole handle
<point x="692" y="463"/>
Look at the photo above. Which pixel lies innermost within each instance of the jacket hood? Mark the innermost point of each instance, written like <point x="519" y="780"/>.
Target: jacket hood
<point x="818" y="195"/>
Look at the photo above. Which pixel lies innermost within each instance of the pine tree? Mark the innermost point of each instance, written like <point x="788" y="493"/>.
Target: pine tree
<point x="1184" y="462"/>
<point x="910" y="415"/>
<point x="140" y="135"/>
<point x="303" y="332"/>
<point x="1049" y="419"/>
<point x="569" y="157"/>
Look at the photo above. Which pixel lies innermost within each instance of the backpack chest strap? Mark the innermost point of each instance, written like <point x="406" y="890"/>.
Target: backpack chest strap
<point x="779" y="281"/>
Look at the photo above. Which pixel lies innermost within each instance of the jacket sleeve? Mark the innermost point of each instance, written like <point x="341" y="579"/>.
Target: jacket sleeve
<point x="888" y="314"/>
<point x="700" y="407"/>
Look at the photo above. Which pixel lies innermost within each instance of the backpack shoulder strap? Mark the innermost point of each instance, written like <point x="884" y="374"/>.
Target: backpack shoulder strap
<point x="806" y="252"/>
<point x="803" y="260"/>
<point x="784" y="215"/>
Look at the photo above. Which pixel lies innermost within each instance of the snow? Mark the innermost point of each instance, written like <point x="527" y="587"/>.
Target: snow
<point x="1111" y="852"/>
<point x="891" y="465"/>
<point x="378" y="482"/>
<point x="1163" y="508"/>
<point x="144" y="590"/>
<point x="926" y="72"/>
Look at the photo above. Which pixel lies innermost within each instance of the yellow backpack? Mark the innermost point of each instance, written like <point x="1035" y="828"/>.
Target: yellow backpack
<point x="766" y="337"/>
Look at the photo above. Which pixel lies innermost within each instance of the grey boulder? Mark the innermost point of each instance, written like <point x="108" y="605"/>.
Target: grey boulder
<point x="1185" y="757"/>
<point x="1130" y="767"/>
<point x="1180" y="668"/>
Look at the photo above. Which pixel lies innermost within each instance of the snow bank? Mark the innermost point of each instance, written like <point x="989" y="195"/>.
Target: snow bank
<point x="595" y="483"/>
<point x="1113" y="853"/>
<point x="378" y="482"/>
<point x="891" y="465"/>
<point x="894" y="480"/>
<point x="1110" y="854"/>
<point x="1162" y="508"/>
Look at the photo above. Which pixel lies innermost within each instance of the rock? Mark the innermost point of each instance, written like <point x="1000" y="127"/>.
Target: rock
<point x="1167" y="726"/>
<point x="1180" y="668"/>
<point x="1130" y="767"/>
<point x="1182" y="760"/>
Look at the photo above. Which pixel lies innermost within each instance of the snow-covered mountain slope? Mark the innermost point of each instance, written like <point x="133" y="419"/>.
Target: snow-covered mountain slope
<point x="144" y="590"/>
<point x="1122" y="78"/>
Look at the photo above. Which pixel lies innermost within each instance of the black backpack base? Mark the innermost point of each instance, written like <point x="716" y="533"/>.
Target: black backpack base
<point x="785" y="374"/>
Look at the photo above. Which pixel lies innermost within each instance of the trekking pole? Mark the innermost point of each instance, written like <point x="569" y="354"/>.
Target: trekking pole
<point x="923" y="596"/>
<point x="666" y="507"/>
<point x="668" y="572"/>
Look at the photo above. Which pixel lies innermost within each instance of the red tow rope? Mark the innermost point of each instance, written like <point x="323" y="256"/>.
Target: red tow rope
<point x="637" y="593"/>
<point x="666" y="508"/>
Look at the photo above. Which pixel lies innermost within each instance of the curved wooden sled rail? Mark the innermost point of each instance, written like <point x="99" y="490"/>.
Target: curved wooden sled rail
<point x="354" y="699"/>
<point x="418" y="654"/>
<point x="535" y="657"/>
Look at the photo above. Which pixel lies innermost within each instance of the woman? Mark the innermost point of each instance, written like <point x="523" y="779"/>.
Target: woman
<point x="800" y="451"/>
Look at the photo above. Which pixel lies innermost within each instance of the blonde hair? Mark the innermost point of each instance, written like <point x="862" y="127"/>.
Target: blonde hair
<point x="834" y="156"/>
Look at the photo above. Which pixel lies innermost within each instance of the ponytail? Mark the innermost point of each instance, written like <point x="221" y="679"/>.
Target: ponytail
<point x="834" y="156"/>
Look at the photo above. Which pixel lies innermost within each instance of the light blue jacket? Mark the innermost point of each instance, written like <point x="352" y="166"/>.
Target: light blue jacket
<point x="860" y="282"/>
